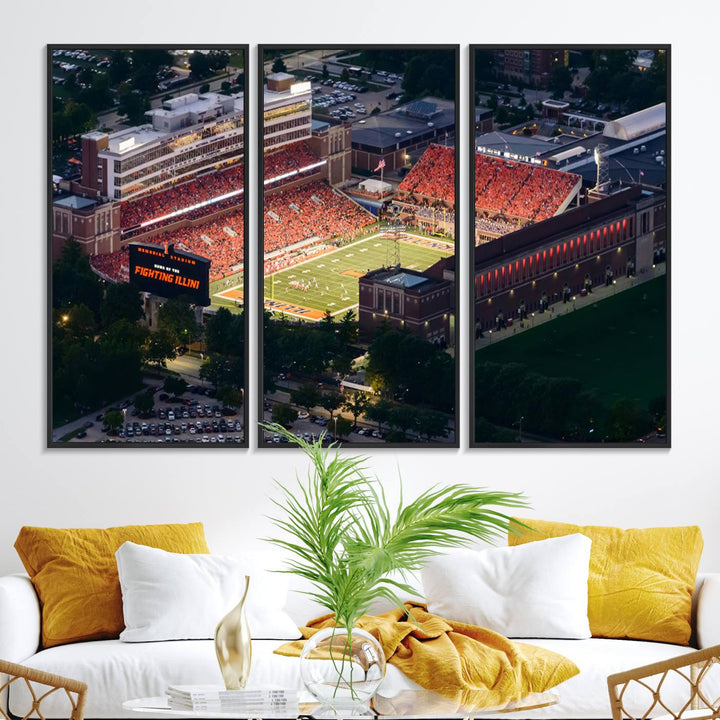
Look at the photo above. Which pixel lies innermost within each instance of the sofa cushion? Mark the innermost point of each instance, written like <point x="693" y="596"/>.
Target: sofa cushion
<point x="117" y="671"/>
<point x="75" y="574"/>
<point x="183" y="596"/>
<point x="534" y="590"/>
<point x="641" y="580"/>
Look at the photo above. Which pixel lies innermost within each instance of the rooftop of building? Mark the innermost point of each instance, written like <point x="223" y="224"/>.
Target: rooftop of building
<point x="319" y="125"/>
<point x="400" y="277"/>
<point x="75" y="202"/>
<point x="191" y="104"/>
<point x="413" y="119"/>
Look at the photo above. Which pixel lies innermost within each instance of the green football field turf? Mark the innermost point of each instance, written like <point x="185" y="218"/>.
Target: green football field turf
<point x="330" y="280"/>
<point x="233" y="286"/>
<point x="617" y="346"/>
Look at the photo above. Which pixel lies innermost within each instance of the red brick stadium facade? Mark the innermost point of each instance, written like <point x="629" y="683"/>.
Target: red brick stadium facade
<point x="559" y="255"/>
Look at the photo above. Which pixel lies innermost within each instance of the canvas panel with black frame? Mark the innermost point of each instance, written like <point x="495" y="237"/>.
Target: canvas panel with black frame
<point x="146" y="234"/>
<point x="570" y="282"/>
<point x="358" y="209"/>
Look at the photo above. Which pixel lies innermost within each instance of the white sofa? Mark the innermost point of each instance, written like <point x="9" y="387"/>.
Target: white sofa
<point x="116" y="671"/>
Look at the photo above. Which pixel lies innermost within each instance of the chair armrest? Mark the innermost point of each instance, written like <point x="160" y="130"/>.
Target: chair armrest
<point x="708" y="611"/>
<point x="19" y="618"/>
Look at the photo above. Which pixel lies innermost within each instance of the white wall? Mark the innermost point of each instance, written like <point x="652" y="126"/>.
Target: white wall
<point x="228" y="489"/>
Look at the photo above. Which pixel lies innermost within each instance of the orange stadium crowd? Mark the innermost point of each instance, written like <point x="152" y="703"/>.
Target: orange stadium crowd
<point x="183" y="195"/>
<point x="433" y="175"/>
<point x="313" y="210"/>
<point x="220" y="240"/>
<point x="518" y="189"/>
<point x="290" y="157"/>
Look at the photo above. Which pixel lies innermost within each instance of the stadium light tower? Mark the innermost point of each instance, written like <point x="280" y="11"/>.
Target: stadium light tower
<point x="603" y="168"/>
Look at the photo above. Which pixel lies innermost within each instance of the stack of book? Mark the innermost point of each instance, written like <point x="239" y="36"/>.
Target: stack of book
<point x="251" y="702"/>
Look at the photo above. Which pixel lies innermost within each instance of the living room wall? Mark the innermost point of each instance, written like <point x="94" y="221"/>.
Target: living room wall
<point x="229" y="489"/>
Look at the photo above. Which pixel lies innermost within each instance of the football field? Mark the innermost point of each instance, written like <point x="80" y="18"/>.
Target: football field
<point x="228" y="292"/>
<point x="329" y="281"/>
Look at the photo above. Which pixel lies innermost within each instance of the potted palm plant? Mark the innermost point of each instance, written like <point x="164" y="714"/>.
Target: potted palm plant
<point x="343" y="538"/>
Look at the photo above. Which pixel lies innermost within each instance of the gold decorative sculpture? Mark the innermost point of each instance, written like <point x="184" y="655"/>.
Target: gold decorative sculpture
<point x="233" y="645"/>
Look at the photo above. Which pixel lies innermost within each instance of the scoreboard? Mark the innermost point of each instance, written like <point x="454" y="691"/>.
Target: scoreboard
<point x="164" y="271"/>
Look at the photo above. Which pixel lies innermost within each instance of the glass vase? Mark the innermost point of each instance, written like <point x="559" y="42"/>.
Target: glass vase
<point x="342" y="670"/>
<point x="233" y="645"/>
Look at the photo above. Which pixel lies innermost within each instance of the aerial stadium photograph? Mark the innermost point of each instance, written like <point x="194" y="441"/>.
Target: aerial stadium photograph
<point x="569" y="277"/>
<point x="358" y="209"/>
<point x="147" y="224"/>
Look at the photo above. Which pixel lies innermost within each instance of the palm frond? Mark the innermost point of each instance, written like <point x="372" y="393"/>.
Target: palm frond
<point x="345" y="540"/>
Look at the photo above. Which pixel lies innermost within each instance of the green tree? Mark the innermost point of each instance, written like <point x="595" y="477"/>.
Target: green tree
<point x="73" y="281"/>
<point x="159" y="348"/>
<point x="284" y="414"/>
<point x="79" y="322"/>
<point x="342" y="428"/>
<point x="306" y="396"/>
<point x="431" y="423"/>
<point x="225" y="333"/>
<point x="356" y="404"/>
<point x="122" y="301"/>
<point x="199" y="65"/>
<point x="218" y="60"/>
<point x="560" y="81"/>
<point x="146" y="63"/>
<point x="325" y="72"/>
<point x="113" y="419"/>
<point x="144" y="402"/>
<point x="133" y="104"/>
<point x="97" y="96"/>
<point x="403" y="418"/>
<point x="279" y="65"/>
<point x="345" y="75"/>
<point x="332" y="402"/>
<point x="176" y="317"/>
<point x="627" y="420"/>
<point x="379" y="412"/>
<point x="120" y="68"/>
<point x="174" y="385"/>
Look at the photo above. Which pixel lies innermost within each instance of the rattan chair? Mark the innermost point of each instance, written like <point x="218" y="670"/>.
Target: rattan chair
<point x="692" y="679"/>
<point x="41" y="685"/>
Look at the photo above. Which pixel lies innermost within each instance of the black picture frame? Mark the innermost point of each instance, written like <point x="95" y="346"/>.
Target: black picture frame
<point x="264" y="436"/>
<point x="657" y="431"/>
<point x="67" y="438"/>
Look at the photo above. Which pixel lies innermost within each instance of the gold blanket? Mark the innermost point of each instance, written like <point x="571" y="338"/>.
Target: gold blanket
<point x="468" y="665"/>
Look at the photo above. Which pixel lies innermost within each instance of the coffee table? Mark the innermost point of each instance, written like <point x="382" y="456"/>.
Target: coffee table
<point x="412" y="704"/>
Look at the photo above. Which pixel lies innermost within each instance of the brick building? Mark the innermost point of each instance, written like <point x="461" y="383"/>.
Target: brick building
<point x="94" y="224"/>
<point x="422" y="303"/>
<point x="558" y="255"/>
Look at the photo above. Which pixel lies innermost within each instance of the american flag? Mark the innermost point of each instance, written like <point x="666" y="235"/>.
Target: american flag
<point x="380" y="165"/>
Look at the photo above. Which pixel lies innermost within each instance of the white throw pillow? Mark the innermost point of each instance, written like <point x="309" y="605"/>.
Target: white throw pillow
<point x="176" y="596"/>
<point x="536" y="590"/>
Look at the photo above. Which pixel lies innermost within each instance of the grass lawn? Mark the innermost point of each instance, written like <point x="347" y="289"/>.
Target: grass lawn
<point x="618" y="345"/>
<point x="331" y="278"/>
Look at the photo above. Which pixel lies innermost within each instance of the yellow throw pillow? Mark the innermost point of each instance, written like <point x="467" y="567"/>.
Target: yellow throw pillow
<point x="641" y="580"/>
<point x="75" y="574"/>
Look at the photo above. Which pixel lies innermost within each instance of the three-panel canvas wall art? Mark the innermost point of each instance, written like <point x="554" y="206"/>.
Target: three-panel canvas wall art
<point x="348" y="245"/>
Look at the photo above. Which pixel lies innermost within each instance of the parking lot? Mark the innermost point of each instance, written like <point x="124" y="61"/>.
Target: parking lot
<point x="192" y="417"/>
<point x="352" y="101"/>
<point x="311" y="426"/>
